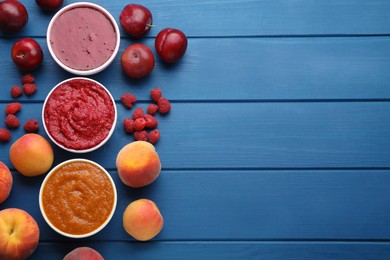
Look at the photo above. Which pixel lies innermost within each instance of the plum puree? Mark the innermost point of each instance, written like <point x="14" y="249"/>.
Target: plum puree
<point x="83" y="38"/>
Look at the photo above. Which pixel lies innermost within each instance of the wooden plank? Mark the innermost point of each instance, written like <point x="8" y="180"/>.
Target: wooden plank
<point x="253" y="135"/>
<point x="223" y="250"/>
<point x="248" y="18"/>
<point x="245" y="205"/>
<point x="241" y="69"/>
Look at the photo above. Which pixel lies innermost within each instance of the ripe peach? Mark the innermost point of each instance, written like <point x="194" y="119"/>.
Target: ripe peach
<point x="85" y="253"/>
<point x="19" y="234"/>
<point x="142" y="219"/>
<point x="31" y="155"/>
<point x="5" y="182"/>
<point x="138" y="164"/>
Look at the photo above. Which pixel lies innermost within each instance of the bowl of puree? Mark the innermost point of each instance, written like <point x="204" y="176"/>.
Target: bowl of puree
<point x="83" y="38"/>
<point x="79" y="115"/>
<point x="77" y="198"/>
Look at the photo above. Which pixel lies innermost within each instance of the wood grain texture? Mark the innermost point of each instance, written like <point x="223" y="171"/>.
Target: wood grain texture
<point x="245" y="205"/>
<point x="241" y="69"/>
<point x="253" y="135"/>
<point x="225" y="250"/>
<point x="247" y="18"/>
<point x="278" y="142"/>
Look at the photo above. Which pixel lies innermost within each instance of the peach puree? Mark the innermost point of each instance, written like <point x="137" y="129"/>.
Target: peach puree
<point x="78" y="198"/>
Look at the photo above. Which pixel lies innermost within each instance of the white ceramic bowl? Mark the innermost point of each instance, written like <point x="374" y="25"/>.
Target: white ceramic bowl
<point x="84" y="150"/>
<point x="94" y="70"/>
<point x="47" y="219"/>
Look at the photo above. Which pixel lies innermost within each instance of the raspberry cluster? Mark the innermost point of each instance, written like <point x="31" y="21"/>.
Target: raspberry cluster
<point x="140" y="122"/>
<point x="11" y="121"/>
<point x="29" y="88"/>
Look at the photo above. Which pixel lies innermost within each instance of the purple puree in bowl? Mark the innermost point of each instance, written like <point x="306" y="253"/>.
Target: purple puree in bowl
<point x="83" y="38"/>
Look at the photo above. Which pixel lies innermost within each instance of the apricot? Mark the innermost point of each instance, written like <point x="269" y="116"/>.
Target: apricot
<point x="138" y="164"/>
<point x="6" y="181"/>
<point x="142" y="220"/>
<point x="85" y="253"/>
<point x="31" y="155"/>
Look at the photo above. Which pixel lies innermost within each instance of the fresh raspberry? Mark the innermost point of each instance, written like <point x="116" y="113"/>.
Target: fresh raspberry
<point x="128" y="123"/>
<point x="128" y="100"/>
<point x="5" y="135"/>
<point x="139" y="124"/>
<point x="141" y="136"/>
<point x="29" y="89"/>
<point x="163" y="105"/>
<point x="28" y="79"/>
<point x="151" y="121"/>
<point x="31" y="126"/>
<point x="13" y="108"/>
<point x="152" y="109"/>
<point x="154" y="136"/>
<point x="16" y="91"/>
<point x="156" y="94"/>
<point x="138" y="113"/>
<point x="12" y="121"/>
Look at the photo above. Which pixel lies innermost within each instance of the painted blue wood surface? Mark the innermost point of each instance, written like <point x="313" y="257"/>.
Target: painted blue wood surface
<point x="205" y="18"/>
<point x="278" y="143"/>
<point x="226" y="250"/>
<point x="242" y="69"/>
<point x="237" y="205"/>
<point x="255" y="135"/>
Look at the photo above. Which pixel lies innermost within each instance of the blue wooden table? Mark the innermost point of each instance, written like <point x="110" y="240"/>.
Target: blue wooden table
<point x="278" y="142"/>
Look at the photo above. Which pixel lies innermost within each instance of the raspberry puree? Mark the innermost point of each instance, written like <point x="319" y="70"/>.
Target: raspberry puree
<point x="79" y="114"/>
<point x="83" y="38"/>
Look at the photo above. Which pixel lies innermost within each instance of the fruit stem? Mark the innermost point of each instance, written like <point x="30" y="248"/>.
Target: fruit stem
<point x="20" y="55"/>
<point x="150" y="25"/>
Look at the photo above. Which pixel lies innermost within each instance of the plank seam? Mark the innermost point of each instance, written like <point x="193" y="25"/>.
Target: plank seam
<point x="265" y="169"/>
<point x="265" y="241"/>
<point x="275" y="169"/>
<point x="183" y="101"/>
<point x="337" y="35"/>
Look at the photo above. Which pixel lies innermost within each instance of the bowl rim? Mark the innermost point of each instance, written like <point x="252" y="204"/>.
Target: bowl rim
<point x="83" y="150"/>
<point x="104" y="223"/>
<point x="105" y="64"/>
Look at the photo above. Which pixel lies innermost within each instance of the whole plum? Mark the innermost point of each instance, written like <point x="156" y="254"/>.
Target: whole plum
<point x="137" y="61"/>
<point x="136" y="20"/>
<point x="27" y="54"/>
<point x="171" y="44"/>
<point x="49" y="5"/>
<point x="13" y="16"/>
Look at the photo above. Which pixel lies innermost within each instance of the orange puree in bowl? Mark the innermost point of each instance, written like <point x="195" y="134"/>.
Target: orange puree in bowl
<point x="78" y="198"/>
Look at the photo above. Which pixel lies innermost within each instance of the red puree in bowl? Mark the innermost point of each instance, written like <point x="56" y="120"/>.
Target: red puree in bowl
<point x="83" y="38"/>
<point x="79" y="114"/>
